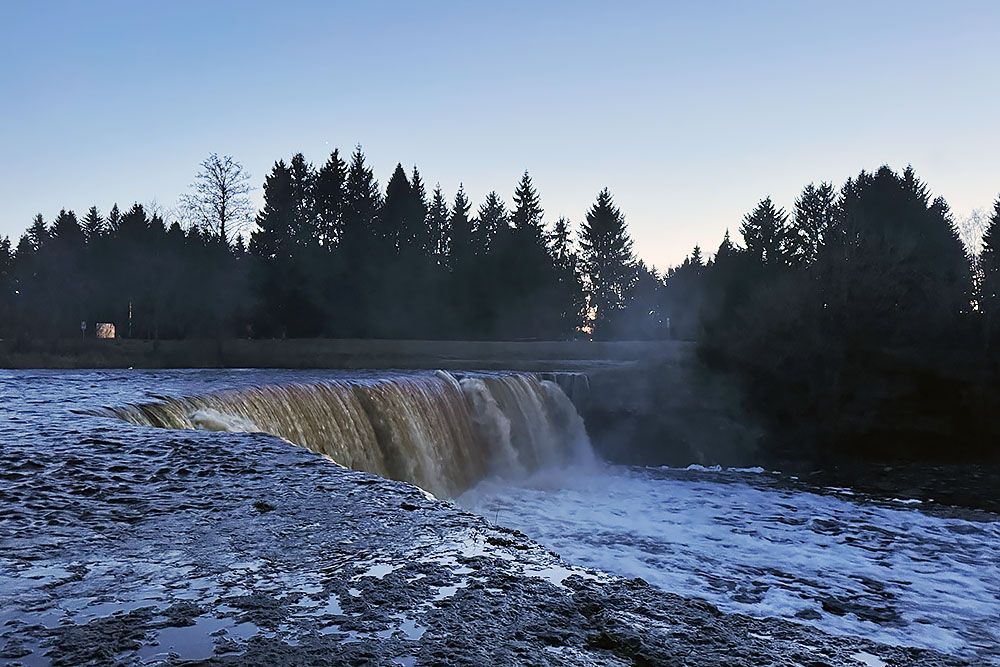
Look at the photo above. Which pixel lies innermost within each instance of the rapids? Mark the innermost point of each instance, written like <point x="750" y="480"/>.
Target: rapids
<point x="768" y="545"/>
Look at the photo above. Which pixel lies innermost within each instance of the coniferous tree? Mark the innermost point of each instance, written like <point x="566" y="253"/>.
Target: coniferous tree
<point x="527" y="215"/>
<point x="359" y="250"/>
<point x="461" y="247"/>
<point x="6" y="288"/>
<point x="92" y="225"/>
<point x="437" y="225"/>
<point x="114" y="220"/>
<point x="990" y="266"/>
<point x="331" y="199"/>
<point x="396" y="209"/>
<point x="38" y="233"/>
<point x="641" y="318"/>
<point x="570" y="300"/>
<point x="608" y="262"/>
<point x="492" y="220"/>
<point x="363" y="205"/>
<point x="815" y="214"/>
<point x="766" y="234"/>
<point x="305" y="230"/>
<point x="417" y="235"/>
<point x="272" y="244"/>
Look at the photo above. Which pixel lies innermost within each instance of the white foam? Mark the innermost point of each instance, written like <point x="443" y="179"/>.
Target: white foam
<point x="768" y="551"/>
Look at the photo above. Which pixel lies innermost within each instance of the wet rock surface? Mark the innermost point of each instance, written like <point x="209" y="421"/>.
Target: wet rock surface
<point x="125" y="545"/>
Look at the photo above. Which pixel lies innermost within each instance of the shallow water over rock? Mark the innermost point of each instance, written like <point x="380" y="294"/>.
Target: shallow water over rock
<point x="123" y="544"/>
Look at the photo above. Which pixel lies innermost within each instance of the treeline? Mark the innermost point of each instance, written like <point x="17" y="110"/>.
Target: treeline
<point x="330" y="254"/>
<point x="858" y="324"/>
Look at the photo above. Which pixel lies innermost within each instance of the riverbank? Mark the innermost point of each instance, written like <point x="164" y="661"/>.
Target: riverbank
<point x="347" y="354"/>
<point x="125" y="545"/>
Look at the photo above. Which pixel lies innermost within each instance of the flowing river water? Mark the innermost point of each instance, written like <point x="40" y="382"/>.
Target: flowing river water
<point x="513" y="449"/>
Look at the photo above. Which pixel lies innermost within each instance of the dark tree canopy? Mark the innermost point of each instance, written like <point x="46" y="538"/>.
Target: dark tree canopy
<point x="608" y="261"/>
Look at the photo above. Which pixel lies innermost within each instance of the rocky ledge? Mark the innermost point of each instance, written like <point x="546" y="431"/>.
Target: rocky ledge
<point x="128" y="547"/>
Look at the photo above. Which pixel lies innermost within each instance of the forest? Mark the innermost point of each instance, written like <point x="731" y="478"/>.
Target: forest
<point x="841" y="318"/>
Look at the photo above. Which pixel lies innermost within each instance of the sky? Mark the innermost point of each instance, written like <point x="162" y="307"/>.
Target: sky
<point x="689" y="112"/>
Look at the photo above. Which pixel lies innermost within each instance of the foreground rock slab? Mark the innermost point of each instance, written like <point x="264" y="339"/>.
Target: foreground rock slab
<point x="122" y="545"/>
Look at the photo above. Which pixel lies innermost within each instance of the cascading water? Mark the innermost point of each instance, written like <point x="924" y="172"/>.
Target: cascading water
<point x="436" y="431"/>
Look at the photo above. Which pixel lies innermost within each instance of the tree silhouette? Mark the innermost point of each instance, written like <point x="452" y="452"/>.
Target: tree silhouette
<point x="815" y="215"/>
<point x="990" y="266"/>
<point x="608" y="262"/>
<point x="93" y="225"/>
<point x="438" y="228"/>
<point x="766" y="233"/>
<point x="219" y="200"/>
<point x="331" y="200"/>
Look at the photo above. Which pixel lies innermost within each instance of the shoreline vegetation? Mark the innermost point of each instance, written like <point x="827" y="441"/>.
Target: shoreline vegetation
<point x="344" y="354"/>
<point x="859" y="325"/>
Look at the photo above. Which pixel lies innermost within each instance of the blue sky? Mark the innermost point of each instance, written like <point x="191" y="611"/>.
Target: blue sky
<point x="689" y="112"/>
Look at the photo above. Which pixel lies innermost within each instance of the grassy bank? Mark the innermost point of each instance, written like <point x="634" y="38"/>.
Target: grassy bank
<point x="341" y="354"/>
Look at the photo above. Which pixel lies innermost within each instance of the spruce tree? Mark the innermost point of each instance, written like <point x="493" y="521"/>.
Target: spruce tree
<point x="38" y="233"/>
<point x="114" y="220"/>
<point x="766" y="234"/>
<point x="492" y="221"/>
<point x="461" y="248"/>
<point x="570" y="300"/>
<point x="272" y="243"/>
<point x="66" y="230"/>
<point x="305" y="229"/>
<point x="331" y="197"/>
<point x="814" y="217"/>
<point x="989" y="300"/>
<point x="92" y="225"/>
<point x="396" y="209"/>
<point x="438" y="228"/>
<point x="527" y="215"/>
<point x="275" y="221"/>
<point x="417" y="234"/>
<point x="362" y="211"/>
<point x="608" y="262"/>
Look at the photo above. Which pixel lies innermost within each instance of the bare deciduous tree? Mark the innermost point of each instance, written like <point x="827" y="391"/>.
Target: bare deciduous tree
<point x="219" y="200"/>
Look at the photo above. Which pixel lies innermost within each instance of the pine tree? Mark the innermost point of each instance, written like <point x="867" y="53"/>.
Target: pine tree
<point x="608" y="262"/>
<point x="765" y="233"/>
<point x="331" y="198"/>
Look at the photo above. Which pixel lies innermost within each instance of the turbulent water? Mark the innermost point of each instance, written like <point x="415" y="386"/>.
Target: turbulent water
<point x="764" y="544"/>
<point x="433" y="430"/>
<point x="512" y="445"/>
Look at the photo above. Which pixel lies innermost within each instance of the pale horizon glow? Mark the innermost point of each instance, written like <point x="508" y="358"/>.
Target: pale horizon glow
<point x="689" y="113"/>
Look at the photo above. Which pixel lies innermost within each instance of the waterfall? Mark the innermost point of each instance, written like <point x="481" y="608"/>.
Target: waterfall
<point x="436" y="431"/>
